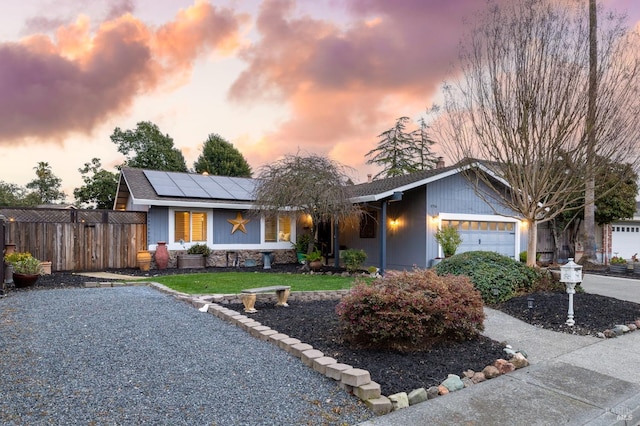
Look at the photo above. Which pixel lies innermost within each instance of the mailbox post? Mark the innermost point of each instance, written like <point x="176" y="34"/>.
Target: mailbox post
<point x="570" y="275"/>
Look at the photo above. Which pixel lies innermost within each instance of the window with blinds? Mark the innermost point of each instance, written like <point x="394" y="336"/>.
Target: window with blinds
<point x="190" y="226"/>
<point x="277" y="229"/>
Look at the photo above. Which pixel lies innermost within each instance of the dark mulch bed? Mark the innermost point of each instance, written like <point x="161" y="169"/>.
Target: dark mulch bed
<point x="316" y="323"/>
<point x="592" y="313"/>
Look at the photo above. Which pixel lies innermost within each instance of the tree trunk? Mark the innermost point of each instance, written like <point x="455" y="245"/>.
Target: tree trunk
<point x="589" y="191"/>
<point x="531" y="244"/>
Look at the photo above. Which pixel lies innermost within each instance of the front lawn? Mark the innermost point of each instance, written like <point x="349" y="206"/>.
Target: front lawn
<point x="235" y="282"/>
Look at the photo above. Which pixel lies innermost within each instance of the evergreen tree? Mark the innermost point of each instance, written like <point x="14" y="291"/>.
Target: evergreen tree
<point x="422" y="143"/>
<point x="394" y="152"/>
<point x="219" y="157"/>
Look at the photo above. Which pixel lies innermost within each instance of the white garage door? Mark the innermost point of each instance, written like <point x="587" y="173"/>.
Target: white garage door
<point x="499" y="237"/>
<point x="625" y="239"/>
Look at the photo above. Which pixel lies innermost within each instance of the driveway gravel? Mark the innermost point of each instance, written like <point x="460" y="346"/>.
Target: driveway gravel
<point x="133" y="355"/>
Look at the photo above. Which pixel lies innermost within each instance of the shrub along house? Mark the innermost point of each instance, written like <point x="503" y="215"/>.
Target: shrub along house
<point x="402" y="214"/>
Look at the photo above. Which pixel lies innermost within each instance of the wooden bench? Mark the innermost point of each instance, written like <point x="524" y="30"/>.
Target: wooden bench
<point x="248" y="296"/>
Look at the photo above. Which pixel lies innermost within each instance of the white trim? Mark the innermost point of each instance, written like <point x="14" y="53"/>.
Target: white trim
<point x="196" y="205"/>
<point x="418" y="183"/>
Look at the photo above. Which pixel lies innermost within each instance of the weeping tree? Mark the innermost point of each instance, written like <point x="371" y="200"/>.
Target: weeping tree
<point x="521" y="107"/>
<point x="309" y="184"/>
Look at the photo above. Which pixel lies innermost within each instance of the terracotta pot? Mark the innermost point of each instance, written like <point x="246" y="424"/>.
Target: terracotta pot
<point x="144" y="260"/>
<point x="24" y="280"/>
<point x="162" y="255"/>
<point x="315" y="265"/>
<point x="9" y="248"/>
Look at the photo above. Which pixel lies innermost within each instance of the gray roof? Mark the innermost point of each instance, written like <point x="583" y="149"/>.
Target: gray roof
<point x="381" y="188"/>
<point x="155" y="187"/>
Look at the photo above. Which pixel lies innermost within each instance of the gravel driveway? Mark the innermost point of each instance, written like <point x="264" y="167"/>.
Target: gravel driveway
<point x="132" y="355"/>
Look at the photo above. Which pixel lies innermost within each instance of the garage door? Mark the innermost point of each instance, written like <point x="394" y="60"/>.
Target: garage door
<point x="499" y="237"/>
<point x="624" y="239"/>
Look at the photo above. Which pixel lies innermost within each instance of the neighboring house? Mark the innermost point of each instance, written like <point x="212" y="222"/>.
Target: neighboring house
<point x="624" y="236"/>
<point x="402" y="215"/>
<point x="429" y="199"/>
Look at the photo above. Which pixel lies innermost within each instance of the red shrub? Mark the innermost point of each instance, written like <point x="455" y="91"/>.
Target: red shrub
<point x="410" y="311"/>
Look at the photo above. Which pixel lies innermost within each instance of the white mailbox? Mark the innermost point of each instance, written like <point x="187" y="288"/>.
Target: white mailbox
<point x="571" y="272"/>
<point x="570" y="275"/>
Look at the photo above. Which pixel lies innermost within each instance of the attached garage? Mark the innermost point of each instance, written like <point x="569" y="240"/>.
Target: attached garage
<point x="486" y="233"/>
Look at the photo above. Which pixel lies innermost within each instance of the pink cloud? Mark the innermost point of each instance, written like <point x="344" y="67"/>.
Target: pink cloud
<point x="54" y="86"/>
<point x="345" y="85"/>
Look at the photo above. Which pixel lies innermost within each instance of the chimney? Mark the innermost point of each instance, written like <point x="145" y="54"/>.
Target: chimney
<point x="369" y="178"/>
<point x="440" y="163"/>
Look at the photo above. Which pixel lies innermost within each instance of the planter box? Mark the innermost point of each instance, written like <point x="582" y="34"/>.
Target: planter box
<point x="191" y="261"/>
<point x="618" y="268"/>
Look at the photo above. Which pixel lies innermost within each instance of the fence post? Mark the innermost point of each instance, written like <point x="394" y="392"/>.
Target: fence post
<point x="2" y="238"/>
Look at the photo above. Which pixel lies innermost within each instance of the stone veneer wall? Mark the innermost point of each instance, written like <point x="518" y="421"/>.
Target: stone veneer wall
<point x="224" y="258"/>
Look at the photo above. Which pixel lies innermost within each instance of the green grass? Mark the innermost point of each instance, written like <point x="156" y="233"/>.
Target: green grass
<point x="235" y="282"/>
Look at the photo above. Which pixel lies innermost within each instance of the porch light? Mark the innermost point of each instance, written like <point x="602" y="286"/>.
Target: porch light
<point x="570" y="275"/>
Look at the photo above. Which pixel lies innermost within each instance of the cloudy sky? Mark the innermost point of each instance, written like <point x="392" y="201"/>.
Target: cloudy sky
<point x="271" y="76"/>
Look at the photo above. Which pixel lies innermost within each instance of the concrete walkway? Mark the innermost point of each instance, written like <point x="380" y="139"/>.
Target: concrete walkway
<point x="572" y="380"/>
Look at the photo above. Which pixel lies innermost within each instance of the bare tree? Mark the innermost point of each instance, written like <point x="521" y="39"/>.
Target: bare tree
<point x="522" y="102"/>
<point x="310" y="184"/>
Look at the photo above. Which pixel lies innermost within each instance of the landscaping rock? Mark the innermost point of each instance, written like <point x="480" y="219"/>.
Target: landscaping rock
<point x="478" y="377"/>
<point x="523" y="353"/>
<point x="609" y="333"/>
<point x="442" y="390"/>
<point x="466" y="381"/>
<point x="399" y="400"/>
<point x="632" y="327"/>
<point x="453" y="383"/>
<point x="417" y="396"/>
<point x="468" y="373"/>
<point x="433" y="392"/>
<point x="519" y="361"/>
<point x="620" y="329"/>
<point x="490" y="372"/>
<point x="509" y="352"/>
<point x="637" y="323"/>
<point x="504" y="366"/>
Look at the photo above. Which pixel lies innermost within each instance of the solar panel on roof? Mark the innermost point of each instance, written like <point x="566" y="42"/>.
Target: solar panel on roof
<point x="175" y="184"/>
<point x="162" y="184"/>
<point x="189" y="186"/>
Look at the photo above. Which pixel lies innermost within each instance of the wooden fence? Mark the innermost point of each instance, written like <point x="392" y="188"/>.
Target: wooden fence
<point x="78" y="240"/>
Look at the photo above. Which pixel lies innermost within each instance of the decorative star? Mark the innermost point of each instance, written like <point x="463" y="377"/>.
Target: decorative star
<point x="238" y="223"/>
